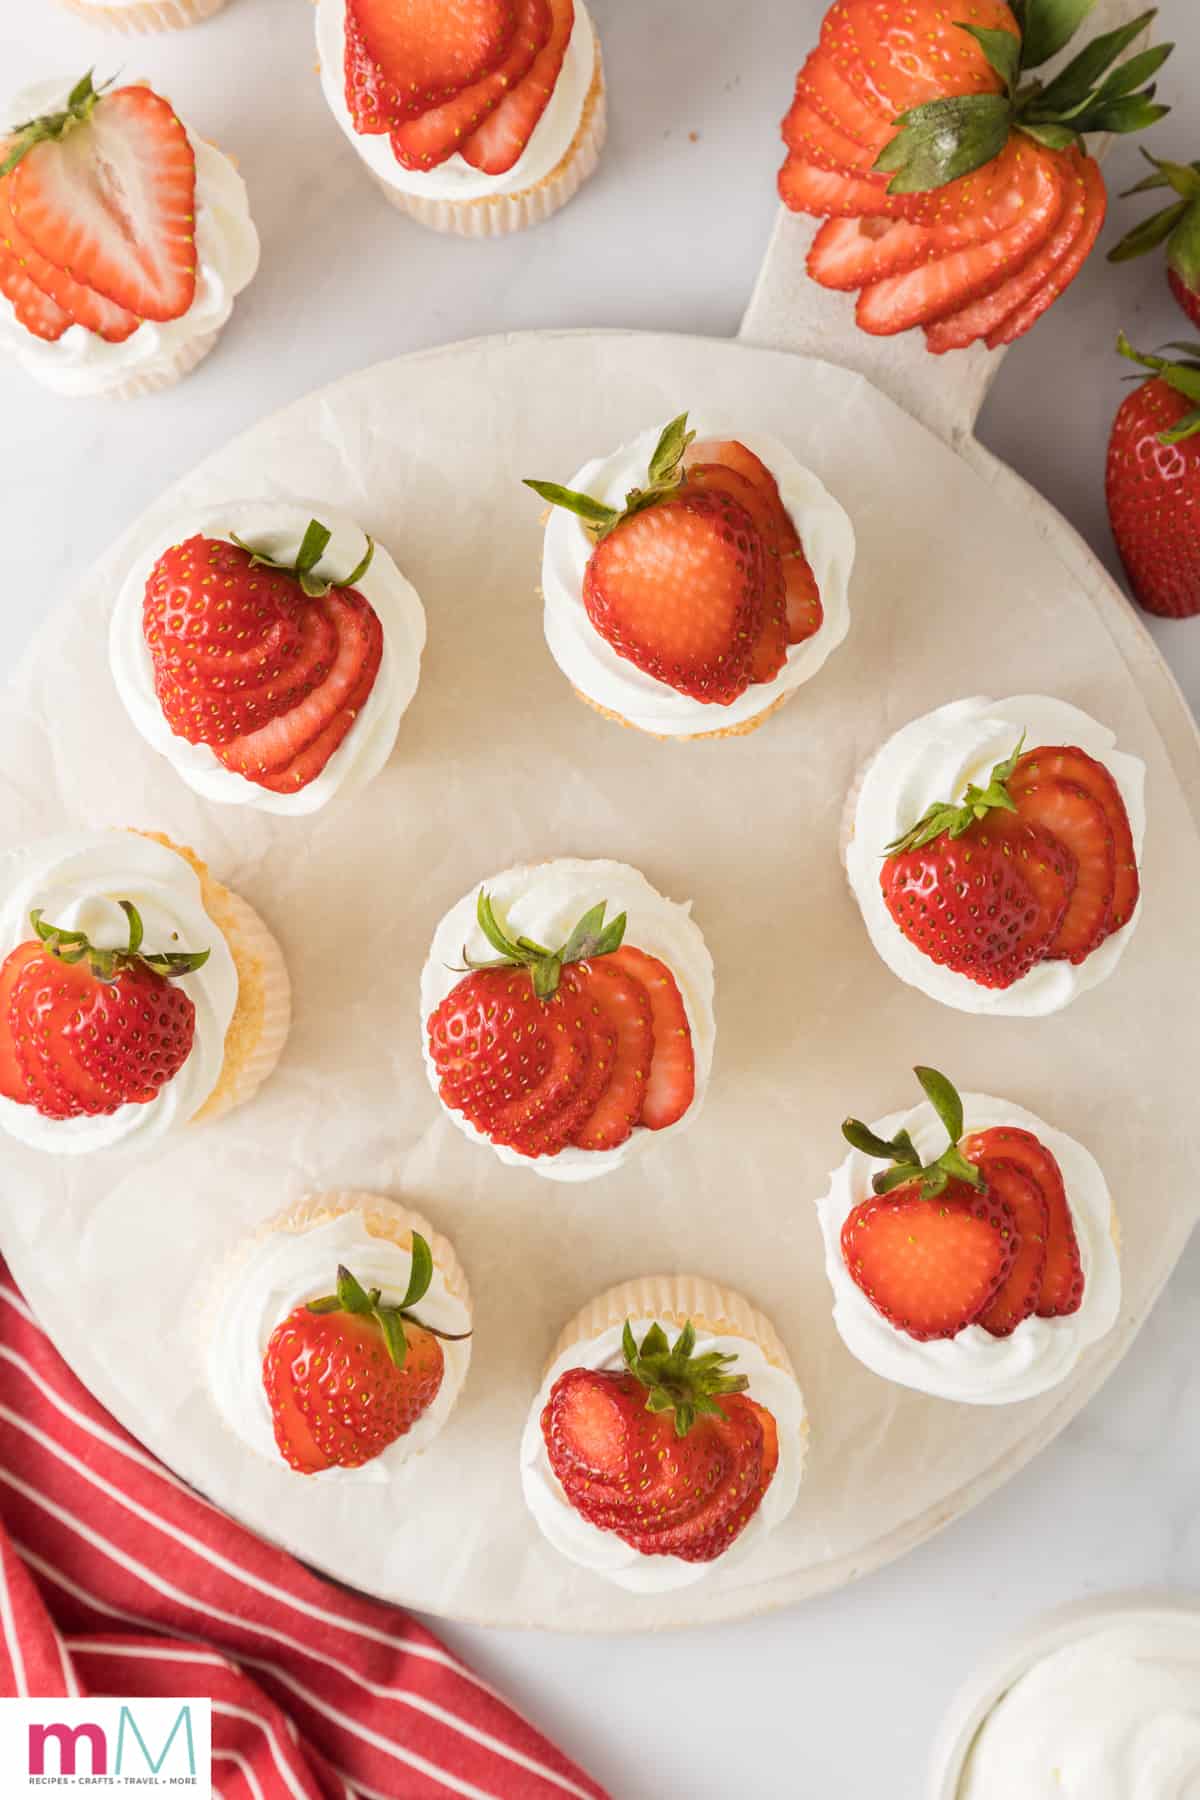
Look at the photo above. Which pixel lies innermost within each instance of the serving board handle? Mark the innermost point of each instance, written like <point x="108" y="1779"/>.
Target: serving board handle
<point x="789" y="311"/>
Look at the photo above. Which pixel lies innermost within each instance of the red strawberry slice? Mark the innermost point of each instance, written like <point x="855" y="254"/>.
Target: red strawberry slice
<point x="1068" y="763"/>
<point x="1062" y="1279"/>
<point x="849" y="253"/>
<point x="1066" y="269"/>
<point x="806" y="188"/>
<point x="13" y="1081"/>
<point x="921" y="295"/>
<point x="671" y="1086"/>
<point x="899" y="57"/>
<point x="815" y="140"/>
<point x="556" y="1131"/>
<point x="1076" y="820"/>
<point x="803" y="600"/>
<point x="624" y="1008"/>
<point x="424" y="142"/>
<point x="84" y="306"/>
<point x="114" y="202"/>
<point x="733" y="1497"/>
<point x="930" y="1266"/>
<point x="327" y="713"/>
<point x="981" y="317"/>
<point x="1018" y="1294"/>
<point x="60" y="1085"/>
<point x="311" y="760"/>
<point x="677" y="589"/>
<point x="33" y="309"/>
<point x="770" y="649"/>
<point x="704" y="1549"/>
<point x="839" y="103"/>
<point x="500" y="141"/>
<point x="424" y="52"/>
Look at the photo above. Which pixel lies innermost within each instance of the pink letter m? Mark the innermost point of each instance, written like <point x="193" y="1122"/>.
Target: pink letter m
<point x="68" y="1739"/>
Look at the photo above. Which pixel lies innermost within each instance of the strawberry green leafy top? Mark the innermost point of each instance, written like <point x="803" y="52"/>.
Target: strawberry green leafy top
<point x="675" y="1378"/>
<point x="591" y="937"/>
<point x="663" y="477"/>
<point x="1183" y="375"/>
<point x="933" y="1177"/>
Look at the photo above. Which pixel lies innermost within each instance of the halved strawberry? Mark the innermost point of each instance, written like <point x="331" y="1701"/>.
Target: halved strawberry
<point x="671" y="1086"/>
<point x="499" y="143"/>
<point x="424" y="142"/>
<point x="113" y="201"/>
<point x="677" y="589"/>
<point x="328" y="711"/>
<point x="84" y="306"/>
<point x="1062" y="1282"/>
<point x="1063" y="762"/>
<point x="624" y="1007"/>
<point x="33" y="309"/>
<point x="981" y="317"/>
<point x="770" y="649"/>
<point x="842" y="104"/>
<point x="899" y="56"/>
<point x="1066" y="269"/>
<point x="803" y="600"/>
<point x="931" y="290"/>
<point x="1018" y="1294"/>
<point x="425" y="51"/>
<point x="1076" y="820"/>
<point x="930" y="1266"/>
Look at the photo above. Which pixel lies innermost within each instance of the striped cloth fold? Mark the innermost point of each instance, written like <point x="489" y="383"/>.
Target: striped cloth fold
<point x="117" y="1579"/>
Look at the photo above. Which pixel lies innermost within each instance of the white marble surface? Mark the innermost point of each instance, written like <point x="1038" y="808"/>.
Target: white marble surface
<point x="838" y="1701"/>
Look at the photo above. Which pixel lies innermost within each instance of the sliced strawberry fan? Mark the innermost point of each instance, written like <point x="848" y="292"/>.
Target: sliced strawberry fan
<point x="956" y="188"/>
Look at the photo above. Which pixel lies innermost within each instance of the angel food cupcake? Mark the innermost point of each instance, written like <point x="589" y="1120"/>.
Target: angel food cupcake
<point x="340" y="1337"/>
<point x="994" y="850"/>
<point x="136" y="993"/>
<point x="980" y="1268"/>
<point x="268" y="656"/>
<point x="568" y="1016"/>
<point x="693" y="580"/>
<point x="479" y="118"/>
<point x="141" y="16"/>
<point x="668" y="1436"/>
<point x="124" y="240"/>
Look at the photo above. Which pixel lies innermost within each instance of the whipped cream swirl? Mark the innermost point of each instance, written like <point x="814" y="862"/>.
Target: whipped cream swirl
<point x="591" y="664"/>
<point x="933" y="759"/>
<point x="77" y="880"/>
<point x="545" y="901"/>
<point x="603" y="1552"/>
<point x="975" y="1366"/>
<point x="276" y="526"/>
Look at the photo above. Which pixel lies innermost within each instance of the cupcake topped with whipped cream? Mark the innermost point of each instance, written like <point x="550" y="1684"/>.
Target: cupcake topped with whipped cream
<point x="994" y="848"/>
<point x="668" y="1436"/>
<point x="339" y="1337"/>
<point x="136" y="993"/>
<point x="567" y="1013"/>
<point x="479" y="118"/>
<point x="124" y="239"/>
<point x="267" y="654"/>
<point x="694" y="580"/>
<point x="971" y="1248"/>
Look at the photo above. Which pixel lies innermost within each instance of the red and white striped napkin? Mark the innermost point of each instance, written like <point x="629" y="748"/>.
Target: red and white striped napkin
<point x="117" y="1579"/>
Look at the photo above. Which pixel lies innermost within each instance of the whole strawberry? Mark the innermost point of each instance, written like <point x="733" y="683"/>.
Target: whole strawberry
<point x="668" y="1453"/>
<point x="1177" y="226"/>
<point x="85" y="1030"/>
<point x="348" y="1374"/>
<point x="1152" y="483"/>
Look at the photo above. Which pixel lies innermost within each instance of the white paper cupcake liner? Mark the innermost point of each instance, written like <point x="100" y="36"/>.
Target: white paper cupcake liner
<point x="248" y="1067"/>
<point x="673" y="1300"/>
<point x="498" y="215"/>
<point x="163" y="374"/>
<point x="146" y="16"/>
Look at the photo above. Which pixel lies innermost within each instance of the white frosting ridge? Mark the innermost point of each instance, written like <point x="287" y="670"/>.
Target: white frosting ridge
<point x="603" y="1552"/>
<point x="590" y="663"/>
<point x="277" y="1273"/>
<point x="82" y="363"/>
<point x="77" y="879"/>
<point x="455" y="179"/>
<point x="545" y="901"/>
<point x="1113" y="1716"/>
<point x="975" y="1366"/>
<point x="932" y="759"/>
<point x="276" y="526"/>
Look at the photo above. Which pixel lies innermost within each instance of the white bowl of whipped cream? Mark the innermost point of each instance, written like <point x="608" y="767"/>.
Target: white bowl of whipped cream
<point x="1096" y="1702"/>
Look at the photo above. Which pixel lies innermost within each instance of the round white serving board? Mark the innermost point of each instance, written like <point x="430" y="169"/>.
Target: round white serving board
<point x="960" y="588"/>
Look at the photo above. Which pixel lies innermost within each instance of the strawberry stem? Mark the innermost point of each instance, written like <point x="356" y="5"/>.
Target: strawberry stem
<point x="590" y="938"/>
<point x="907" y="1167"/>
<point x="352" y="1297"/>
<point x="951" y="818"/>
<point x="663" y="477"/>
<point x="53" y="126"/>
<point x="312" y="548"/>
<point x="1183" y="377"/>
<point x="75" y="947"/>
<point x="675" y="1378"/>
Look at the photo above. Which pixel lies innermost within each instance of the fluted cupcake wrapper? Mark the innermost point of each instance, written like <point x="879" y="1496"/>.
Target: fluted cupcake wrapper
<point x="260" y="1025"/>
<point x="673" y="1300"/>
<point x="687" y="737"/>
<point x="498" y="215"/>
<point x="147" y="16"/>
